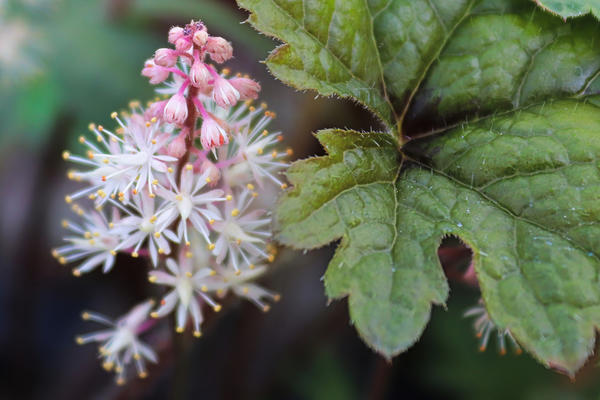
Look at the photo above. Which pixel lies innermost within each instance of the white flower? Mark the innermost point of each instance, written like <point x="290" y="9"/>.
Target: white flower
<point x="187" y="202"/>
<point x="187" y="286"/>
<point x="242" y="233"/>
<point x="120" y="344"/>
<point x="136" y="229"/>
<point x="240" y="284"/>
<point x="484" y="327"/>
<point x="93" y="241"/>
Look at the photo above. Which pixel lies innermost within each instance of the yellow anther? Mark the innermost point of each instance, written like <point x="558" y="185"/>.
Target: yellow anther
<point x="188" y="244"/>
<point x="120" y="131"/>
<point x="154" y="314"/>
<point x="157" y="234"/>
<point x="153" y="141"/>
<point x="220" y="292"/>
<point x="217" y="308"/>
<point x="266" y="308"/>
<point x="208" y="180"/>
<point x="197" y="334"/>
<point x="76" y="272"/>
<point x="148" y="124"/>
<point x="136" y="356"/>
<point x="62" y="260"/>
<point x="250" y="186"/>
<point x="204" y="288"/>
<point x="64" y="223"/>
<point x="143" y="374"/>
<point x="289" y="151"/>
<point x="100" y="128"/>
<point x="179" y="329"/>
<point x="263" y="105"/>
<point x="211" y="221"/>
<point x="271" y="258"/>
<point x="153" y="120"/>
<point x="87" y="235"/>
<point x="211" y="246"/>
<point x="92" y="242"/>
<point x="259" y="151"/>
<point x="161" y="250"/>
<point x="245" y="290"/>
<point x="92" y="126"/>
<point x="90" y="154"/>
<point x="170" y="170"/>
<point x="68" y="199"/>
<point x="179" y="197"/>
<point x="276" y="297"/>
<point x="225" y="71"/>
<point x="188" y="274"/>
<point x="254" y="194"/>
<point x="113" y="253"/>
<point x="79" y="340"/>
<point x="134" y="104"/>
<point x="155" y="182"/>
<point x="152" y="219"/>
<point x="274" y="154"/>
<point x="189" y="167"/>
<point x="113" y="115"/>
<point x="135" y="254"/>
<point x="212" y="272"/>
<point x="189" y="254"/>
<point x="99" y="138"/>
<point x="111" y="225"/>
<point x="66" y="155"/>
<point x="71" y="175"/>
<point x="54" y="253"/>
<point x="252" y="108"/>
<point x="251" y="266"/>
<point x="265" y="132"/>
<point x="120" y="381"/>
<point x="235" y="212"/>
<point x="228" y="197"/>
<point x="238" y="272"/>
<point x="238" y="242"/>
<point x="284" y="185"/>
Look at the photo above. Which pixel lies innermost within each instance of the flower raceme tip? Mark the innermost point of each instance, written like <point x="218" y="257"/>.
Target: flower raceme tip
<point x="177" y="182"/>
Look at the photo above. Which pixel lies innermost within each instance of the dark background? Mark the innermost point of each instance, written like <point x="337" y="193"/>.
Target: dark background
<point x="65" y="63"/>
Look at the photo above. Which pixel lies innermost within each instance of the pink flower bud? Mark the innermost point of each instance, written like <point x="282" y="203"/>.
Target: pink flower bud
<point x="224" y="94"/>
<point x="176" y="110"/>
<point x="199" y="74"/>
<point x="165" y="57"/>
<point x="175" y="33"/>
<point x="177" y="147"/>
<point x="213" y="172"/>
<point x="219" y="49"/>
<point x="156" y="109"/>
<point x="156" y="73"/>
<point x="247" y="88"/>
<point x="212" y="134"/>
<point x="183" y="44"/>
<point x="200" y="38"/>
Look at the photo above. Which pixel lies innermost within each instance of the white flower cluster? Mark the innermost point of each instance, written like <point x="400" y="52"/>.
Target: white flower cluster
<point x="191" y="206"/>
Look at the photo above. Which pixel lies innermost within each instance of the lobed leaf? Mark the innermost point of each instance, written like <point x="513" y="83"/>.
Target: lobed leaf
<point x="571" y="8"/>
<point x="494" y="99"/>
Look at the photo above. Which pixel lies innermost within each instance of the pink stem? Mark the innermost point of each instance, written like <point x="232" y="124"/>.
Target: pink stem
<point x="184" y="86"/>
<point x="201" y="108"/>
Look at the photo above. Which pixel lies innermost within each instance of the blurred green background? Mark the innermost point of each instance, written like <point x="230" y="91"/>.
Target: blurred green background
<point x="66" y="63"/>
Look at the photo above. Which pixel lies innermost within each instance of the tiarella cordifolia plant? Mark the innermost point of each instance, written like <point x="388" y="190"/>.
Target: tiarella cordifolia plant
<point x="177" y="182"/>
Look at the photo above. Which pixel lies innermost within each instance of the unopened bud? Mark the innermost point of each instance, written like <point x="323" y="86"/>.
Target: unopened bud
<point x="177" y="147"/>
<point x="199" y="74"/>
<point x="175" y="34"/>
<point x="224" y="94"/>
<point x="156" y="73"/>
<point x="247" y="88"/>
<point x="176" y="109"/>
<point x="165" y="57"/>
<point x="220" y="50"/>
<point x="183" y="44"/>
<point x="200" y="38"/>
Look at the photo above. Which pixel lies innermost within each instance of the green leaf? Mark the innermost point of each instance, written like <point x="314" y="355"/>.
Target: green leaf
<point x="411" y="60"/>
<point x="494" y="99"/>
<point x="571" y="8"/>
